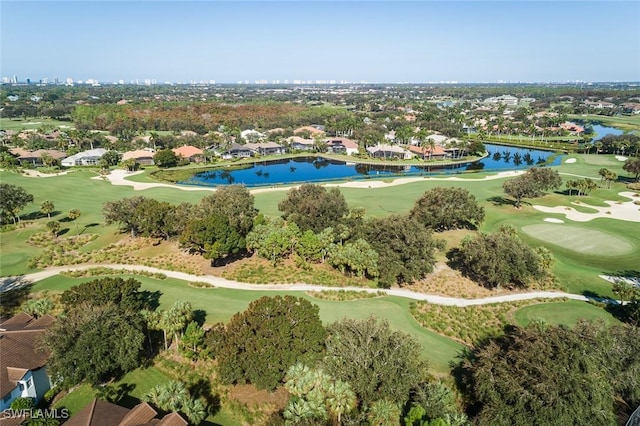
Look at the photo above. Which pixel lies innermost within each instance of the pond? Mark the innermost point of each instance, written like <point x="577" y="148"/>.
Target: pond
<point x="600" y="130"/>
<point x="316" y="169"/>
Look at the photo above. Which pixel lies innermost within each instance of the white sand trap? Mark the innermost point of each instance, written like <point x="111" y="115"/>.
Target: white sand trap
<point x="570" y="160"/>
<point x="553" y="220"/>
<point x="621" y="158"/>
<point x="616" y="210"/>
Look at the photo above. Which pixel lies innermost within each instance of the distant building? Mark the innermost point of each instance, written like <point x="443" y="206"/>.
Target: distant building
<point x="189" y="152"/>
<point x="266" y="148"/>
<point x="388" y="151"/>
<point x="141" y="156"/>
<point x="342" y="146"/>
<point x="502" y="100"/>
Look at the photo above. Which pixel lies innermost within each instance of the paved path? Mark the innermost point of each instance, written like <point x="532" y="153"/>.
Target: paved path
<point x="9" y="282"/>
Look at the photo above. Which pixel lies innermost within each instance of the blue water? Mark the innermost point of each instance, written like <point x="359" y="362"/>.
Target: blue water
<point x="603" y="131"/>
<point x="314" y="169"/>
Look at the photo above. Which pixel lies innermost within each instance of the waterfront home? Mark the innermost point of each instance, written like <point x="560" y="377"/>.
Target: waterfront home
<point x="85" y="158"/>
<point x="190" y="153"/>
<point x="266" y="148"/>
<point x="341" y="146"/>
<point x="389" y="151"/>
<point x="437" y="153"/>
<point x="237" y="151"/>
<point x="23" y="373"/>
<point x="301" y="144"/>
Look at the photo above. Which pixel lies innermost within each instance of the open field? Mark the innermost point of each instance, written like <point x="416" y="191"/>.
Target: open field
<point x="579" y="239"/>
<point x="18" y="125"/>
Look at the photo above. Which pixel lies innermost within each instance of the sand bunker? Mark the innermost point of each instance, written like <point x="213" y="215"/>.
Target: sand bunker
<point x="621" y="158"/>
<point x="570" y="160"/>
<point x="616" y="210"/>
<point x="553" y="220"/>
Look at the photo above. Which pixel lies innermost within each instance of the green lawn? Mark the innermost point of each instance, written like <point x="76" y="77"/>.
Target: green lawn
<point x="631" y="123"/>
<point x="221" y="304"/>
<point x="563" y="313"/>
<point x="35" y="123"/>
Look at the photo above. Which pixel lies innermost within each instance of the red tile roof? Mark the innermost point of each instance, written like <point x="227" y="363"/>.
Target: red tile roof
<point x="187" y="151"/>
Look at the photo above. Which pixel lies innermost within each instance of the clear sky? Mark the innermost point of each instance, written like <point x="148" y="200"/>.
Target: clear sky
<point x="376" y="41"/>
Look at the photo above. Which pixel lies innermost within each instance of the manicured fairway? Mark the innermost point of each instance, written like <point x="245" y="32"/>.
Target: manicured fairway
<point x="580" y="239"/>
<point x="18" y="125"/>
<point x="221" y="304"/>
<point x="563" y="313"/>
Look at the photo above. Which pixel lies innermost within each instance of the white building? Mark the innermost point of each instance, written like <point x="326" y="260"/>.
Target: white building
<point x="85" y="158"/>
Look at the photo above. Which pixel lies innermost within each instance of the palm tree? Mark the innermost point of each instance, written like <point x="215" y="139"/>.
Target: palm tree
<point x="177" y="394"/>
<point x="195" y="410"/>
<point x="74" y="214"/>
<point x="47" y="207"/>
<point x="176" y="319"/>
<point x="384" y="413"/>
<point x="341" y="399"/>
<point x="152" y="319"/>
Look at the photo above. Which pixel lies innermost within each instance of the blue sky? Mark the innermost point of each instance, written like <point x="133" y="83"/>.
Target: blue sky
<point x="379" y="41"/>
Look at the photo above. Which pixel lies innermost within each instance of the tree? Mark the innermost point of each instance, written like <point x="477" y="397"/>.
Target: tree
<point x="47" y="207"/>
<point x="111" y="158"/>
<point x="175" y="319"/>
<point x="130" y="165"/>
<point x="273" y="240"/>
<point x="448" y="208"/>
<point x="532" y="184"/>
<point x="94" y="344"/>
<point x="313" y="207"/>
<point x="12" y="200"/>
<point x="74" y="214"/>
<point x="315" y="394"/>
<point x="384" y="413"/>
<point x="357" y="257"/>
<point x="38" y="307"/>
<point x="632" y="165"/>
<point x="516" y="379"/>
<point x="165" y="158"/>
<point x="378" y="363"/>
<point x="192" y="344"/>
<point x="499" y="259"/>
<point x="631" y="295"/>
<point x="234" y="202"/>
<point x="124" y="293"/>
<point x="212" y="237"/>
<point x="406" y="249"/>
<point x="260" y="344"/>
<point x="54" y="227"/>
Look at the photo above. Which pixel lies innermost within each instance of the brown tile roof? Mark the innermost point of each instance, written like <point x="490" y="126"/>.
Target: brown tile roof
<point x="98" y="413"/>
<point x="309" y="129"/>
<point x="172" y="419"/>
<point x="19" y="348"/>
<point x="347" y="143"/>
<point x="140" y="414"/>
<point x="438" y="150"/>
<point x="187" y="151"/>
<point x="103" y="413"/>
<point x="140" y="153"/>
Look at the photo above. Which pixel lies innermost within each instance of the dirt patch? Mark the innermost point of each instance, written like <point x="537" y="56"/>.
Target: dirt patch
<point x="445" y="281"/>
<point x="252" y="397"/>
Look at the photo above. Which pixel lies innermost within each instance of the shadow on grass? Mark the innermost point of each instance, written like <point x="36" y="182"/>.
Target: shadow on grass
<point x="39" y="215"/>
<point x="14" y="291"/>
<point x="501" y="201"/>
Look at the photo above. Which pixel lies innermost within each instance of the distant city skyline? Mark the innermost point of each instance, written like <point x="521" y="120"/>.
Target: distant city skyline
<point x="268" y="42"/>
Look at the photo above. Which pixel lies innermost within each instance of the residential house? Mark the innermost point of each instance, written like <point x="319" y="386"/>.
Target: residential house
<point x="190" y="153"/>
<point x="84" y="158"/>
<point x="388" y="151"/>
<point x="35" y="157"/>
<point x="266" y="148"/>
<point x="237" y="151"/>
<point x="141" y="156"/>
<point x="572" y="128"/>
<point x="301" y="144"/>
<point x="631" y="108"/>
<point x="502" y="100"/>
<point x="103" y="413"/>
<point x="342" y="146"/>
<point x="23" y="373"/>
<point x="437" y="153"/>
